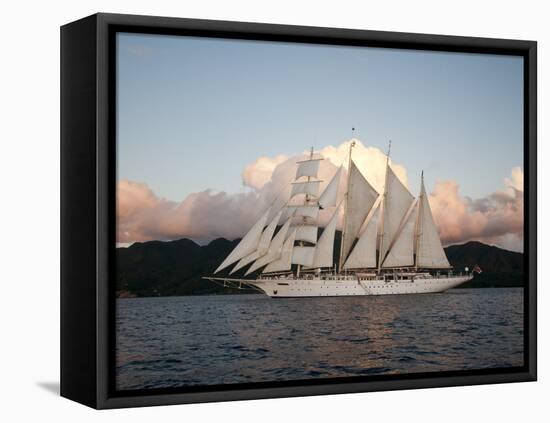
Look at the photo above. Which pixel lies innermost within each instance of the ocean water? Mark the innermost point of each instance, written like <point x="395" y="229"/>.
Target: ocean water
<point x="223" y="339"/>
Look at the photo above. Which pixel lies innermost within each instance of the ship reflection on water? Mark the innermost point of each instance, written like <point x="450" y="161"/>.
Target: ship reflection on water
<point x="208" y="340"/>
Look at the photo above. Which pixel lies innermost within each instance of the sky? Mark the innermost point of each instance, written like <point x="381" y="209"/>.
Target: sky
<point x="194" y="114"/>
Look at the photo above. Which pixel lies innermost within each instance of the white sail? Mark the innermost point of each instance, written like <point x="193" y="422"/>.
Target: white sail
<point x="363" y="254"/>
<point x="324" y="250"/>
<point x="430" y="253"/>
<point x="360" y="199"/>
<point x="330" y="194"/>
<point x="401" y="253"/>
<point x="248" y="244"/>
<point x="303" y="255"/>
<point x="308" y="168"/>
<point x="274" y="250"/>
<point x="306" y="233"/>
<point x="397" y="202"/>
<point x="263" y="245"/>
<point x="305" y="211"/>
<point x="309" y="188"/>
<point x="284" y="262"/>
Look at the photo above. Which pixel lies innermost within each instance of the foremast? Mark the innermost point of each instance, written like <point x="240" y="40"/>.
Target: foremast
<point x="304" y="218"/>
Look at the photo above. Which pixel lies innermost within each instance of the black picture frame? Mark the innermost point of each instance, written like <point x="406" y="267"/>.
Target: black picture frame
<point x="88" y="153"/>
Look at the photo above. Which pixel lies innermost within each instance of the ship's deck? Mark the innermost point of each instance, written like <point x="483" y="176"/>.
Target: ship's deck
<point x="387" y="276"/>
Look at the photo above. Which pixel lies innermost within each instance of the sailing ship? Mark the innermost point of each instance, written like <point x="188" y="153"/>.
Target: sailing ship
<point x="389" y="242"/>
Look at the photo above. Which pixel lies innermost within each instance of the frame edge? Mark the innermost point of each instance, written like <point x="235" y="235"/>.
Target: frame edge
<point x="78" y="212"/>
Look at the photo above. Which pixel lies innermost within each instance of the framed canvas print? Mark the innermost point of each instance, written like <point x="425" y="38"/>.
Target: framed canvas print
<point x="255" y="211"/>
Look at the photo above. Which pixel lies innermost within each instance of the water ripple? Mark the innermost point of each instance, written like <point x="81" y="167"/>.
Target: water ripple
<point x="205" y="340"/>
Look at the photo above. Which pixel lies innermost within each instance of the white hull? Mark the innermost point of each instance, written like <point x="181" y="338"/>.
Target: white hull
<point x="333" y="286"/>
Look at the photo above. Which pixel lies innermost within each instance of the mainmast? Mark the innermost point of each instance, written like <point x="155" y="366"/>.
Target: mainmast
<point x="341" y="260"/>
<point x="384" y="205"/>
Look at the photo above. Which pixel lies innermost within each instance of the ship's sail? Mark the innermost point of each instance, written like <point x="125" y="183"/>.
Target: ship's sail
<point x="396" y="203"/>
<point x="311" y="210"/>
<point x="303" y="255"/>
<point x="306" y="187"/>
<point x="263" y="245"/>
<point x="323" y="256"/>
<point x="330" y="195"/>
<point x="401" y="253"/>
<point x="363" y="254"/>
<point x="306" y="230"/>
<point x="275" y="248"/>
<point x="306" y="233"/>
<point x="248" y="244"/>
<point x="284" y="262"/>
<point x="308" y="168"/>
<point x="361" y="197"/>
<point x="429" y="251"/>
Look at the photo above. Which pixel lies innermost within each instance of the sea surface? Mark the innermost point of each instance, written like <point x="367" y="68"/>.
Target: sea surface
<point x="224" y="339"/>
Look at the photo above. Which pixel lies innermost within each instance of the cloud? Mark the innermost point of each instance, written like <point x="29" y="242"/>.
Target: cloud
<point x="142" y="216"/>
<point x="259" y="173"/>
<point x="370" y="161"/>
<point x="515" y="181"/>
<point x="206" y="215"/>
<point x="272" y="176"/>
<point x="495" y="219"/>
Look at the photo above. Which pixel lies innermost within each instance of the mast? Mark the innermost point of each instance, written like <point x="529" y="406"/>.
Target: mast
<point x="306" y="202"/>
<point x="341" y="260"/>
<point x="384" y="205"/>
<point x="418" y="221"/>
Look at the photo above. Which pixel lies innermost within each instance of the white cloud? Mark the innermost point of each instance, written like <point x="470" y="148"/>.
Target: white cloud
<point x="259" y="173"/>
<point x="515" y="181"/>
<point x="370" y="161"/>
<point x="495" y="219"/>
